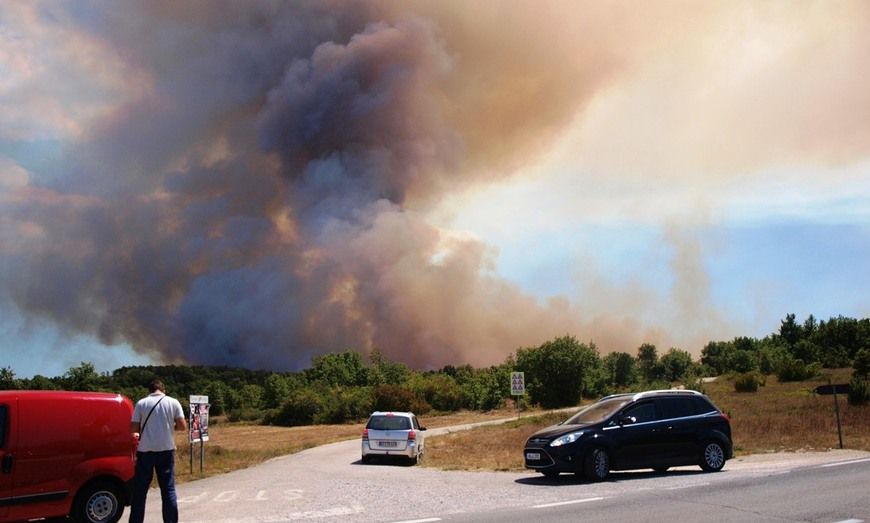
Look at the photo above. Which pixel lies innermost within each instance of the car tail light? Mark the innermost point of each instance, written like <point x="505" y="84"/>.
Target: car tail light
<point x="365" y="435"/>
<point x="412" y="436"/>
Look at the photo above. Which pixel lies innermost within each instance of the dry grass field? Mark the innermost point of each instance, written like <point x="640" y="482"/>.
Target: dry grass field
<point x="779" y="417"/>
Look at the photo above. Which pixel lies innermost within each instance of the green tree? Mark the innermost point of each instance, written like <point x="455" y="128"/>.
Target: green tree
<point x="555" y="371"/>
<point x="385" y="372"/>
<point x="648" y="363"/>
<point x="7" y="379"/>
<point x="339" y="369"/>
<point x="717" y="355"/>
<point x="276" y="390"/>
<point x="620" y="367"/>
<point x="743" y="361"/>
<point x="677" y="363"/>
<point x="789" y="330"/>
<point x="861" y="364"/>
<point x="84" y="377"/>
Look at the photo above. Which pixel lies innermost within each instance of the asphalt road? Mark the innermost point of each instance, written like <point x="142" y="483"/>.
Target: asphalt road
<point x="329" y="484"/>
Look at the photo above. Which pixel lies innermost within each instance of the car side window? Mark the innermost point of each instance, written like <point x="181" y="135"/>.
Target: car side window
<point x="671" y="408"/>
<point x="415" y="424"/>
<point x="702" y="406"/>
<point x="642" y="412"/>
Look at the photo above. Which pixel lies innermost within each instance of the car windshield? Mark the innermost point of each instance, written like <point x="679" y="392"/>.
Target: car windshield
<point x="389" y="423"/>
<point x="598" y="412"/>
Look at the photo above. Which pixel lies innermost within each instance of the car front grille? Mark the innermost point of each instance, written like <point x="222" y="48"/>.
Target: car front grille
<point x="538" y="442"/>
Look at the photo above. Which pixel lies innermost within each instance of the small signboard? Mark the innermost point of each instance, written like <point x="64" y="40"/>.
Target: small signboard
<point x="518" y="383"/>
<point x="198" y="419"/>
<point x="837" y="388"/>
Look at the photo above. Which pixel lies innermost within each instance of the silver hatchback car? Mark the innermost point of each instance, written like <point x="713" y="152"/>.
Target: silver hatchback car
<point x="393" y="434"/>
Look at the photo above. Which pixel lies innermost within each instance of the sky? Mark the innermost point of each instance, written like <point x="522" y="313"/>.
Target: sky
<point x="256" y="184"/>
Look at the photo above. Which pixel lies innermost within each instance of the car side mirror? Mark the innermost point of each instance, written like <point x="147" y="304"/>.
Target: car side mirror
<point x="627" y="420"/>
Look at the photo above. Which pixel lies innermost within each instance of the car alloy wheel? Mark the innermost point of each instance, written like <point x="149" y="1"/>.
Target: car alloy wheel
<point x="714" y="457"/>
<point x="598" y="465"/>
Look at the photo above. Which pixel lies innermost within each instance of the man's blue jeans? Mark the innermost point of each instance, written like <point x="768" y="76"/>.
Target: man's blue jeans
<point x="146" y="464"/>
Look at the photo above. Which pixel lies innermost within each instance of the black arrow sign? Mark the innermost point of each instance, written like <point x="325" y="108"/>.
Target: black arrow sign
<point x="838" y="388"/>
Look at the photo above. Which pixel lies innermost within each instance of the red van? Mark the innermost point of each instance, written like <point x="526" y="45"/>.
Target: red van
<point x="65" y="453"/>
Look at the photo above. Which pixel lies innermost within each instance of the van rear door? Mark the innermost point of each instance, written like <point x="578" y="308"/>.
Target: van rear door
<point x="7" y="442"/>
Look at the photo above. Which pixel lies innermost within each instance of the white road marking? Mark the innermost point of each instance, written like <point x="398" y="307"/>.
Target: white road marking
<point x="227" y="495"/>
<point x="427" y="520"/>
<point x="851" y="521"/>
<point x="840" y="464"/>
<point x="688" y="486"/>
<point x="563" y="503"/>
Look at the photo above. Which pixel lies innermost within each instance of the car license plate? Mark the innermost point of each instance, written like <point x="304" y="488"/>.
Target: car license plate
<point x="533" y="456"/>
<point x="388" y="444"/>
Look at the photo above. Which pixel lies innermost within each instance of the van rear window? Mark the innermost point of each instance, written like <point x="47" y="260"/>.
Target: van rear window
<point x="389" y="423"/>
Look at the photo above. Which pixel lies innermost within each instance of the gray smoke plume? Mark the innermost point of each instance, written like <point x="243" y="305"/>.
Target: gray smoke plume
<point x="262" y="199"/>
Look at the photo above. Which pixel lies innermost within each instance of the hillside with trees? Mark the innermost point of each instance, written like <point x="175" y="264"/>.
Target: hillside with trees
<point x="346" y="386"/>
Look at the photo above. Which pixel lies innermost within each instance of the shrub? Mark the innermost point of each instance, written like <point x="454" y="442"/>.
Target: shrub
<point x="859" y="392"/>
<point x="791" y="369"/>
<point x="746" y="382"/>
<point x="398" y="398"/>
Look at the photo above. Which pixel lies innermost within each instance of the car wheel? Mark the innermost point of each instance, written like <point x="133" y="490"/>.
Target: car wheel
<point x="597" y="466"/>
<point x="98" y="503"/>
<point x="712" y="457"/>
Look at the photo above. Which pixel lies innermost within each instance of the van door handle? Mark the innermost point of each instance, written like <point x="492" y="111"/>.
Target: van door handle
<point x="7" y="463"/>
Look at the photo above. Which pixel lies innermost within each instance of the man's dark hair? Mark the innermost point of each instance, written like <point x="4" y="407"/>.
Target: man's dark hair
<point x="156" y="385"/>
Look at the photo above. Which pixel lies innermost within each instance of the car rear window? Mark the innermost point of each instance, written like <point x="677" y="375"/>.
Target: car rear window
<point x="389" y="423"/>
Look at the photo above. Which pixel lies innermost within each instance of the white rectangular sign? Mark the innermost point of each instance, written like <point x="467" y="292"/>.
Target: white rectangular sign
<point x="198" y="424"/>
<point x="518" y="383"/>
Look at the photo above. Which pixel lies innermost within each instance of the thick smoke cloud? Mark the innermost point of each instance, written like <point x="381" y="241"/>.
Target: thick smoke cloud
<point x="259" y="199"/>
<point x="257" y="183"/>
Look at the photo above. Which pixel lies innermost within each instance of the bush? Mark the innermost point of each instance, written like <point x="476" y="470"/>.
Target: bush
<point x="746" y="382"/>
<point x="398" y="398"/>
<point x="796" y="370"/>
<point x="859" y="392"/>
<point x="299" y="409"/>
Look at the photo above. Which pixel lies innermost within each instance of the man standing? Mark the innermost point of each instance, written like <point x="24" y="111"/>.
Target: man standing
<point x="154" y="418"/>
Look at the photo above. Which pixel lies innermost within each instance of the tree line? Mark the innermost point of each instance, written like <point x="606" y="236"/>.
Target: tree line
<point x="347" y="386"/>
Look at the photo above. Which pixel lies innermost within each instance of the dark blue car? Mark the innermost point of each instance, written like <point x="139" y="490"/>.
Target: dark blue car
<point x="653" y="429"/>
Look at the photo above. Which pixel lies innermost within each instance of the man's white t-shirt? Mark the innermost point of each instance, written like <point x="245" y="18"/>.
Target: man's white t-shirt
<point x="158" y="433"/>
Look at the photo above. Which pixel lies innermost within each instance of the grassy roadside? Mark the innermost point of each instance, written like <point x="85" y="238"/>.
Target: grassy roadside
<point x="779" y="417"/>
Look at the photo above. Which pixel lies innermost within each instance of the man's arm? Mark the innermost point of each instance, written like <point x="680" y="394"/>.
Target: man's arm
<point x="180" y="424"/>
<point x="134" y="427"/>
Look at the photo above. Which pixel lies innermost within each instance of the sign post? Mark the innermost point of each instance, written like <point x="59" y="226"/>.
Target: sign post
<point x="841" y="388"/>
<point x="198" y="427"/>
<point x="518" y="387"/>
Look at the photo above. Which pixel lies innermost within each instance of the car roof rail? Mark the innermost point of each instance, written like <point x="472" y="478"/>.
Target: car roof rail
<point x="619" y="395"/>
<point x="675" y="392"/>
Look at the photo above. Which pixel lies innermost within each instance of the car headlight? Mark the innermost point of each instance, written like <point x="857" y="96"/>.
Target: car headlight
<point x="566" y="439"/>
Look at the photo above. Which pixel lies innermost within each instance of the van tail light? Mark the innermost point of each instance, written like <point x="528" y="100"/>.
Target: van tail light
<point x="412" y="436"/>
<point x="365" y="435"/>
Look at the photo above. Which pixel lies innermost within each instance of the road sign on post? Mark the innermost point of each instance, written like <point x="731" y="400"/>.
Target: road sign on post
<point x="834" y="389"/>
<point x="198" y="427"/>
<point x="518" y="383"/>
<point x="518" y="387"/>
